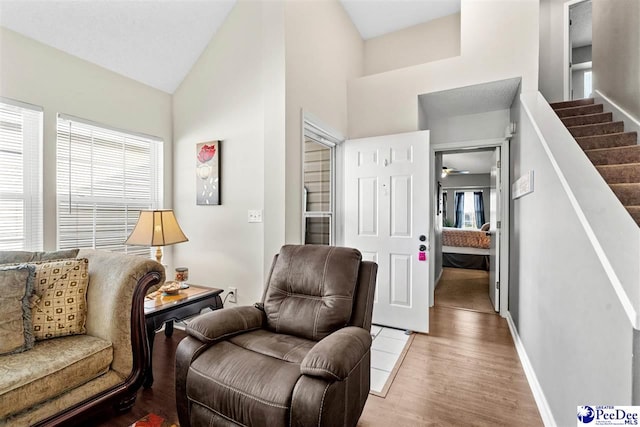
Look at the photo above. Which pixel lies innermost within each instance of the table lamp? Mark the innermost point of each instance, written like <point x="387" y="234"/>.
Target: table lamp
<point x="156" y="228"/>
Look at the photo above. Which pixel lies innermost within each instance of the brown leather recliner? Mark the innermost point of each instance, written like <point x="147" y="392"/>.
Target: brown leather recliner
<point x="300" y="358"/>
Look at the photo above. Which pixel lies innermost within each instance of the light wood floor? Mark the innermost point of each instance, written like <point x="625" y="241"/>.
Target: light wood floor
<point x="464" y="288"/>
<point x="466" y="372"/>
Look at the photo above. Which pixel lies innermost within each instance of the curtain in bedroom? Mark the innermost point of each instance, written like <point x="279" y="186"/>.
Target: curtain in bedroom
<point x="479" y="207"/>
<point x="459" y="209"/>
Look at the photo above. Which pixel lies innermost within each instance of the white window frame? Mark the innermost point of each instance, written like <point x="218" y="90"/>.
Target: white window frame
<point x="65" y="199"/>
<point x="32" y="184"/>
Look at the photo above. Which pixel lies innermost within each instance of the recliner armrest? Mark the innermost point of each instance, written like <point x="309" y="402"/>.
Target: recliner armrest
<point x="336" y="355"/>
<point x="224" y="323"/>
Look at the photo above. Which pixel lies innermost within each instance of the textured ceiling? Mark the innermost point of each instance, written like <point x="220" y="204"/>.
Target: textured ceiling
<point x="374" y="18"/>
<point x="474" y="99"/>
<point x="580" y="15"/>
<point x="153" y="42"/>
<point x="474" y="162"/>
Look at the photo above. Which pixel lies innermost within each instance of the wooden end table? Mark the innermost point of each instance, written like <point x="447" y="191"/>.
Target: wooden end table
<point x="164" y="310"/>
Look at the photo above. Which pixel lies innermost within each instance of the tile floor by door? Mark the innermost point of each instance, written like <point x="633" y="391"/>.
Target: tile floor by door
<point x="387" y="347"/>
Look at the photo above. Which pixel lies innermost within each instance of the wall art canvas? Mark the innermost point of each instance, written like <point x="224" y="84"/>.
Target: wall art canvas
<point x="208" y="173"/>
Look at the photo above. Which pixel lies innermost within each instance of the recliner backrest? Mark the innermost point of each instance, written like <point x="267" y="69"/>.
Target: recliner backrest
<point x="311" y="288"/>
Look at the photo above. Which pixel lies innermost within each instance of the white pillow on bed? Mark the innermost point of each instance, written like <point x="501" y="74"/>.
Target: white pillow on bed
<point x="485" y="227"/>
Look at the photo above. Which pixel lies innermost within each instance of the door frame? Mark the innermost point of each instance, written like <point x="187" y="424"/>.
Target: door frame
<point x="566" y="73"/>
<point x="505" y="199"/>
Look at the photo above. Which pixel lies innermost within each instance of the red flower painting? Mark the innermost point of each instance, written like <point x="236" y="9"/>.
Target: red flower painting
<point x="206" y="153"/>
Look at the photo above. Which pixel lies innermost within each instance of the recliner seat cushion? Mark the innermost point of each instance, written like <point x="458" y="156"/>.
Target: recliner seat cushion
<point x="242" y="385"/>
<point x="284" y="347"/>
<point x="49" y="369"/>
<point x="306" y="298"/>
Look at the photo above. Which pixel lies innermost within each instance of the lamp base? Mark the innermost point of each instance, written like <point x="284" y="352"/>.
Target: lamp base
<point x="159" y="254"/>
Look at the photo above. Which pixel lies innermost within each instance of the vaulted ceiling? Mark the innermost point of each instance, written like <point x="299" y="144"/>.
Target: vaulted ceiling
<point x="158" y="42"/>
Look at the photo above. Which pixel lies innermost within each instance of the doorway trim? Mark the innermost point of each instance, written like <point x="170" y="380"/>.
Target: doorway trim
<point x="503" y="143"/>
<point x="565" y="64"/>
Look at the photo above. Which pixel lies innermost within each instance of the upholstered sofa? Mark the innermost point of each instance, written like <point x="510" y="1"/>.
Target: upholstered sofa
<point x="299" y="358"/>
<point x="63" y="380"/>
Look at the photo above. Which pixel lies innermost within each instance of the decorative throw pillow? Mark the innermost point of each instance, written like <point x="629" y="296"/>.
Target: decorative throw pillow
<point x="485" y="227"/>
<point x="59" y="306"/>
<point x="16" y="285"/>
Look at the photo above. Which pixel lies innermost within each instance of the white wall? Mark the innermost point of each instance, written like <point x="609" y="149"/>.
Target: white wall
<point x="567" y="313"/>
<point x="551" y="57"/>
<point x="499" y="40"/>
<point x="616" y="52"/>
<point x="230" y="95"/>
<point x="323" y="51"/>
<point x="422" y="43"/>
<point x="60" y="83"/>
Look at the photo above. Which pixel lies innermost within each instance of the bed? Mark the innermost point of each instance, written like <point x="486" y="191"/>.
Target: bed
<point x="464" y="248"/>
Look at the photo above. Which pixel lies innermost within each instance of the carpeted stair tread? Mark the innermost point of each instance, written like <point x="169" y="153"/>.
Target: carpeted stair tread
<point x="634" y="211"/>
<point x="609" y="140"/>
<point x="629" y="194"/>
<point x="620" y="174"/>
<point x="580" y="110"/>
<point x="614" y="156"/>
<point x="587" y="119"/>
<point x="597" y="129"/>
<point x="574" y="103"/>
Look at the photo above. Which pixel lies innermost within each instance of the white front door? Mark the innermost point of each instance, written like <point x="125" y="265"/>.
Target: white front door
<point x="386" y="217"/>
<point x="495" y="223"/>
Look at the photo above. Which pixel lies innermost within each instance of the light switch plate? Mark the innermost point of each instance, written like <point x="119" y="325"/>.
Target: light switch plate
<point x="254" y="215"/>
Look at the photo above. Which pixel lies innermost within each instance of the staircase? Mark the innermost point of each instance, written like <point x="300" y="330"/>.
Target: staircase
<point x="614" y="152"/>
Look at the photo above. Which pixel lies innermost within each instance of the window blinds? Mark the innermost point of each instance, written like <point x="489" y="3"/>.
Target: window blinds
<point x="105" y="177"/>
<point x="20" y="176"/>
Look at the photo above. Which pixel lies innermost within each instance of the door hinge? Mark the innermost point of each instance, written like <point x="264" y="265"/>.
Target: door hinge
<point x="499" y="164"/>
<point x="499" y="224"/>
<point x="498" y="284"/>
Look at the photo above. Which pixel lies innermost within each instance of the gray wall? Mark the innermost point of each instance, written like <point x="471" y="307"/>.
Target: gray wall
<point x="468" y="127"/>
<point x="616" y="52"/>
<point x="566" y="312"/>
<point x="581" y="54"/>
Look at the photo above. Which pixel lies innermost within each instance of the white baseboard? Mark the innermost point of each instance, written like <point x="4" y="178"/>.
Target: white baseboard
<point x="536" y="389"/>
<point x="631" y="124"/>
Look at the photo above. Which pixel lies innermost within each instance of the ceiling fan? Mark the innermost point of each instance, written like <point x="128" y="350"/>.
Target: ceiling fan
<point x="446" y="171"/>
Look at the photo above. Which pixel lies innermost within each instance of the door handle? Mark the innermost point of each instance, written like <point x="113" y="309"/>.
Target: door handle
<point x="422" y="248"/>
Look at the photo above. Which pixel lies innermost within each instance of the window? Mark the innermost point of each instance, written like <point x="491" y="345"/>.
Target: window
<point x="105" y="177"/>
<point x="469" y="208"/>
<point x="318" y="186"/>
<point x="20" y="176"/>
<point x="588" y="84"/>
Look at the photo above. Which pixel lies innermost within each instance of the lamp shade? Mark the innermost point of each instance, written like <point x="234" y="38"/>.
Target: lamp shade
<point x="156" y="228"/>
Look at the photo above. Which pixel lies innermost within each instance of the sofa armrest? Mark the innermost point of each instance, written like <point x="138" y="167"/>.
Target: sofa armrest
<point x="224" y="323"/>
<point x="335" y="356"/>
<point x="115" y="282"/>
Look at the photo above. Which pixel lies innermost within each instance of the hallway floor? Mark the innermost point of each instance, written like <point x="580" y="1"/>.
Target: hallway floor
<point x="465" y="372"/>
<point x="464" y="288"/>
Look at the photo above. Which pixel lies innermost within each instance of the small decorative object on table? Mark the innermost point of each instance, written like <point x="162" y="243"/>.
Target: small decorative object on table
<point x="170" y="288"/>
<point x="182" y="275"/>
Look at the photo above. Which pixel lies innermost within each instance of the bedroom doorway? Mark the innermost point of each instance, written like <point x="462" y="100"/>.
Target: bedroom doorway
<point x="467" y="227"/>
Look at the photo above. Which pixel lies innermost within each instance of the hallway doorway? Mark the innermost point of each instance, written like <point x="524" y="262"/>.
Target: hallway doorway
<point x="464" y="289"/>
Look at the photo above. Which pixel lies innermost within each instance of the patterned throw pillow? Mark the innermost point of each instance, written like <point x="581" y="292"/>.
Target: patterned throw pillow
<point x="59" y="306"/>
<point x="16" y="284"/>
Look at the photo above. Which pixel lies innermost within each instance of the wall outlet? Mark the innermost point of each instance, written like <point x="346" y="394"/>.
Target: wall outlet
<point x="254" y="215"/>
<point x="233" y="294"/>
